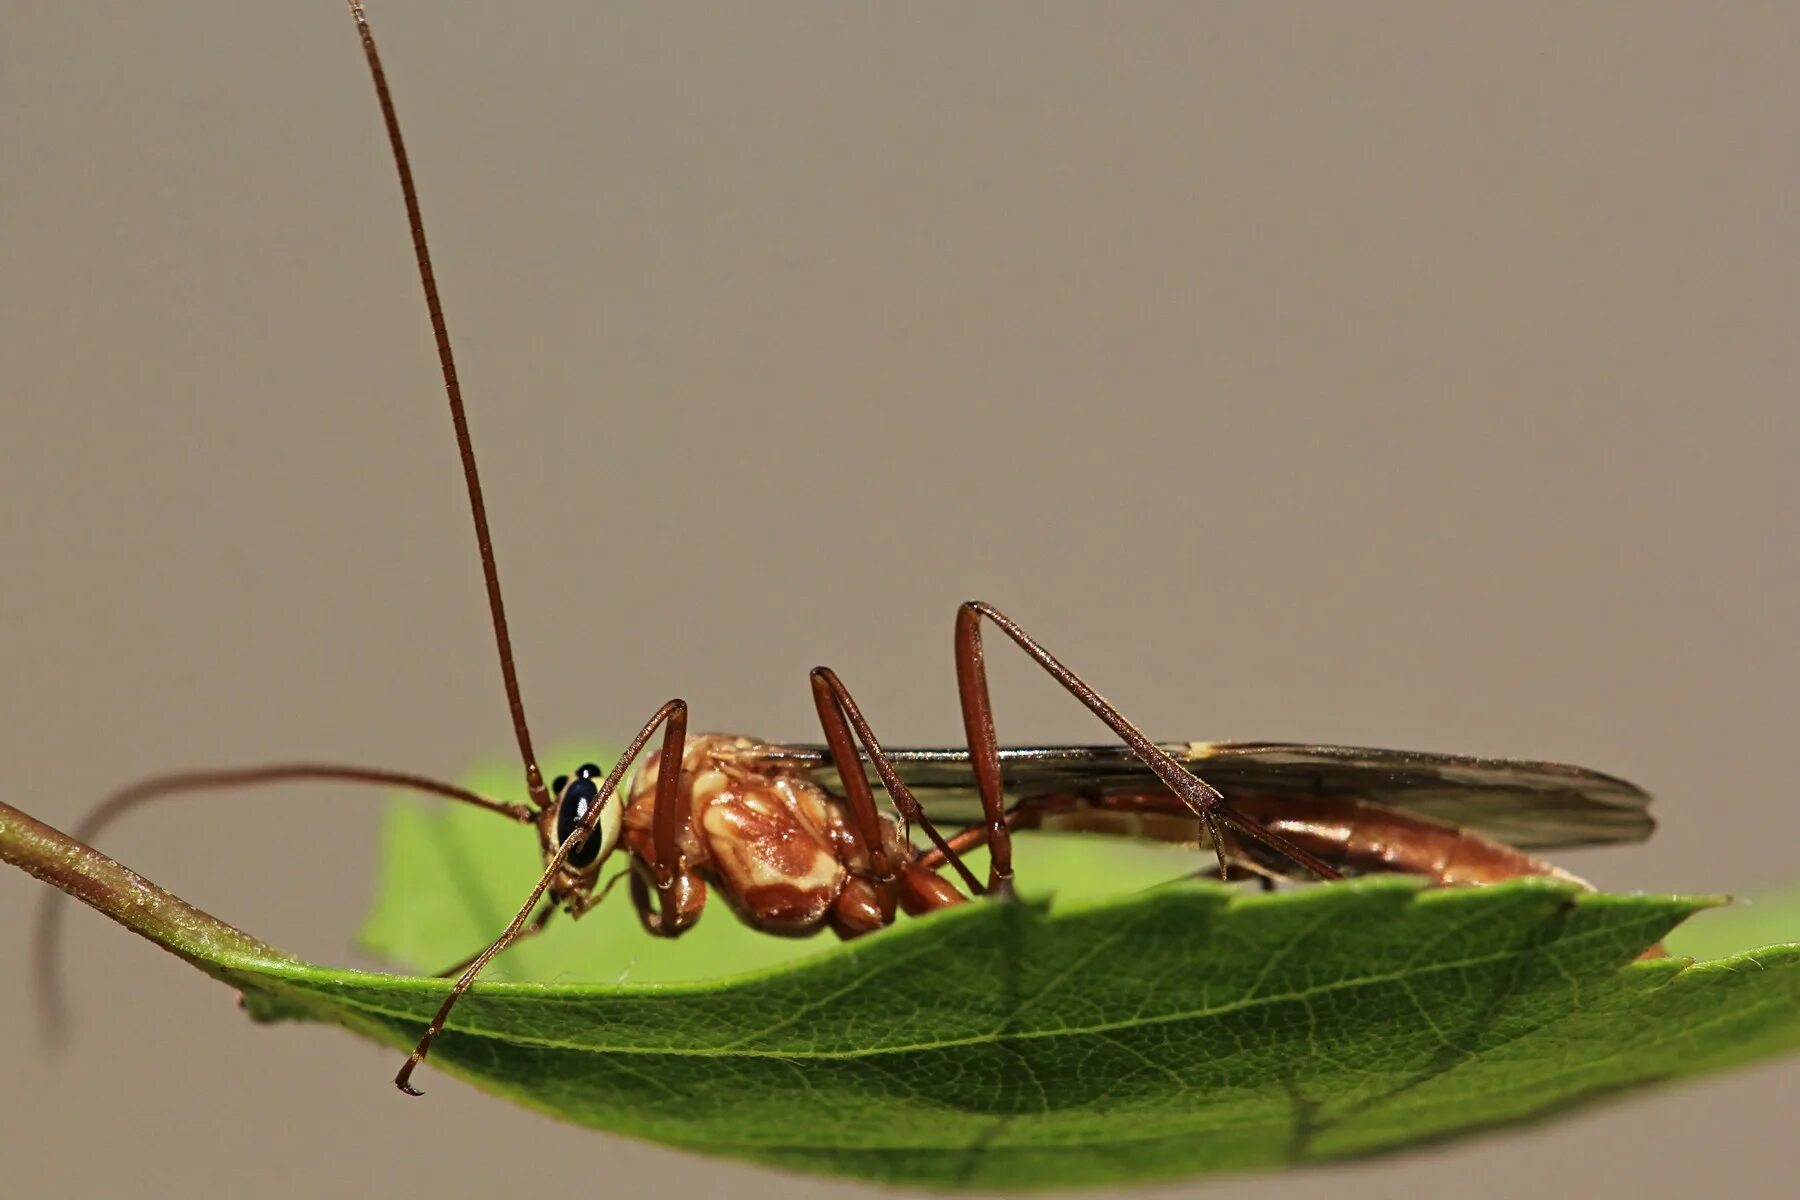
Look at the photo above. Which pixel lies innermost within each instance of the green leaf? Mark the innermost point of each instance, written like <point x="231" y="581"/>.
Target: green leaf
<point x="1102" y="1033"/>
<point x="1178" y="1030"/>
<point x="1748" y="921"/>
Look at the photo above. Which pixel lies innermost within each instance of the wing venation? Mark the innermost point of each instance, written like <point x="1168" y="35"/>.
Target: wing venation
<point x="1529" y="805"/>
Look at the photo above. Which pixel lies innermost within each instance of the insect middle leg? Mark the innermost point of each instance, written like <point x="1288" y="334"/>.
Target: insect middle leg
<point x="1200" y="798"/>
<point x="838" y="716"/>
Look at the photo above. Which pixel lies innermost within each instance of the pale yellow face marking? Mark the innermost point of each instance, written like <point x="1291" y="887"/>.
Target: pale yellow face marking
<point x="611" y="819"/>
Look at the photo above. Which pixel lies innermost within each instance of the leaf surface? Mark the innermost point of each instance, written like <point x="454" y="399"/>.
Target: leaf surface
<point x="1099" y="1033"/>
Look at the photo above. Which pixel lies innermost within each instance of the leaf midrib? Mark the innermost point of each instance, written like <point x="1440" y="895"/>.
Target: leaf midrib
<point x="1006" y="1036"/>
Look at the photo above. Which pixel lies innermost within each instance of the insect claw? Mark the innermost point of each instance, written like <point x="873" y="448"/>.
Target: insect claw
<point x="401" y="1080"/>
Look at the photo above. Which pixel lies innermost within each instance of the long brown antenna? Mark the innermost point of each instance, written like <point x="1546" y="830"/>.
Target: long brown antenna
<point x="534" y="781"/>
<point x="47" y="938"/>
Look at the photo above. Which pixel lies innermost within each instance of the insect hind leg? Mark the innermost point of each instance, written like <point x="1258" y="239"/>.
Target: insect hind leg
<point x="1200" y="797"/>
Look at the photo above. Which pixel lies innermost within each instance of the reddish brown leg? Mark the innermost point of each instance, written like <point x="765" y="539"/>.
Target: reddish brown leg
<point x="532" y="930"/>
<point x="1200" y="797"/>
<point x="665" y="819"/>
<point x="674" y="713"/>
<point x="579" y="903"/>
<point x="838" y="714"/>
<point x="923" y="890"/>
<point x="1020" y="815"/>
<point x="1030" y="812"/>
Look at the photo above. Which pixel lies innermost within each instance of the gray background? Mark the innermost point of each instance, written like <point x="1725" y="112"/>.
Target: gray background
<point x="1403" y="374"/>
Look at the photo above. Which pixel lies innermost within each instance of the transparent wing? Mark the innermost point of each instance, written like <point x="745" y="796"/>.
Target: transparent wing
<point x="1529" y="805"/>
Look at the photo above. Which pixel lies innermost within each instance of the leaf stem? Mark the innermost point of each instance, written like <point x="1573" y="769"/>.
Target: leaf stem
<point x="127" y="897"/>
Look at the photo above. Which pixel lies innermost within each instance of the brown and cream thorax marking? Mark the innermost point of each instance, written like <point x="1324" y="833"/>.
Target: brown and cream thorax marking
<point x="783" y="852"/>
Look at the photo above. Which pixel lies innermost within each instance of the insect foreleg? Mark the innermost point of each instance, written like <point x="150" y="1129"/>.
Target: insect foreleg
<point x="665" y="829"/>
<point x="674" y="714"/>
<point x="532" y="930"/>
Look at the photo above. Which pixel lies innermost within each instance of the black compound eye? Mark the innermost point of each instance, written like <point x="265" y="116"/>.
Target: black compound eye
<point x="576" y="802"/>
<point x="587" y="771"/>
<point x="558" y="784"/>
